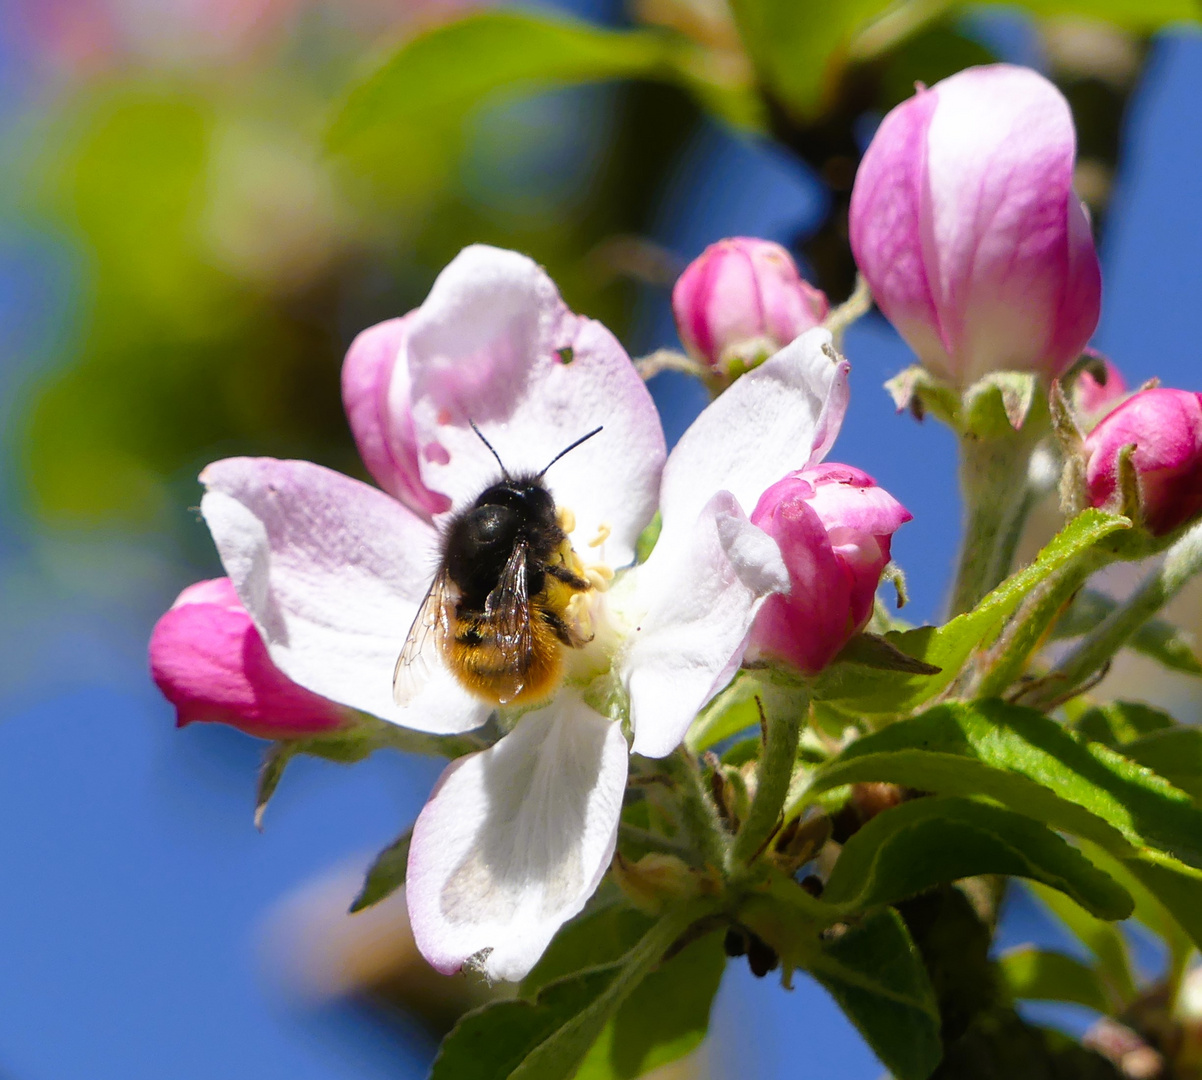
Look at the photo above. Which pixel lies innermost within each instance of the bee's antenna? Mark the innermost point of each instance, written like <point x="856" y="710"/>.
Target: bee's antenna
<point x="566" y="449"/>
<point x="504" y="471"/>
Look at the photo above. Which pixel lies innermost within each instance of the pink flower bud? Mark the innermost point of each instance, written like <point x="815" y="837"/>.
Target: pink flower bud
<point x="741" y="300"/>
<point x="1165" y="427"/>
<point x="834" y="527"/>
<point x="964" y="221"/>
<point x="375" y="395"/>
<point x="208" y="660"/>
<point x="1093" y="399"/>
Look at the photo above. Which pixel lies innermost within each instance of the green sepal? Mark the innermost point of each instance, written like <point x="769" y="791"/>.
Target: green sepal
<point x="917" y="391"/>
<point x="876" y="651"/>
<point x="999" y="404"/>
<point x="386" y="874"/>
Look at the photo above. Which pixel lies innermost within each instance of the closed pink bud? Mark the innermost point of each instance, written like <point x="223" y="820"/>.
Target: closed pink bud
<point x="1165" y="428"/>
<point x="208" y="660"/>
<point x="964" y="221"/>
<point x="1092" y="398"/>
<point x="834" y="527"/>
<point x="741" y="300"/>
<point x="375" y="395"/>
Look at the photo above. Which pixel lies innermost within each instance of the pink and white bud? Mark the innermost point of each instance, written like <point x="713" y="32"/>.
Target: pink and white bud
<point x="834" y="526"/>
<point x="1092" y="398"/>
<point x="1165" y="428"/>
<point x="964" y="221"/>
<point x="375" y="395"/>
<point x="741" y="300"/>
<point x="208" y="660"/>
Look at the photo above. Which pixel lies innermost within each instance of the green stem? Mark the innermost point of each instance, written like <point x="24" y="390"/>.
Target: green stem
<point x="697" y="811"/>
<point x="1181" y="562"/>
<point x="785" y="715"/>
<point x="993" y="478"/>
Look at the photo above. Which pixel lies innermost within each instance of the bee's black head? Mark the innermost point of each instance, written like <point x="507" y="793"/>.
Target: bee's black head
<point x="482" y="539"/>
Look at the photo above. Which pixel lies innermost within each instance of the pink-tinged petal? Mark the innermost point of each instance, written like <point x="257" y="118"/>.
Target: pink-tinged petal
<point x="494" y="344"/>
<point x="700" y="604"/>
<point x="1165" y="428"/>
<point x="332" y="571"/>
<point x="515" y="839"/>
<point x="780" y="417"/>
<point x="375" y="395"/>
<point x="210" y="663"/>
<point x="834" y="528"/>
<point x="1093" y="399"/>
<point x="964" y="221"/>
<point x="885" y="224"/>
<point x="1009" y="249"/>
<point x="742" y="297"/>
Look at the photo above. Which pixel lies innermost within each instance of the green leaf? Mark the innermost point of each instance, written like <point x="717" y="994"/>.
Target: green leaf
<point x="863" y="690"/>
<point x="593" y="939"/>
<point x="1035" y="974"/>
<point x="1157" y="639"/>
<point x="665" y="1017"/>
<point x="797" y="48"/>
<point x="927" y="842"/>
<point x="386" y="874"/>
<point x="990" y="748"/>
<point x="876" y="975"/>
<point x="1119" y="722"/>
<point x="1128" y="14"/>
<point x="450" y="68"/>
<point x="1176" y="755"/>
<point x="492" y="1042"/>
<point x="1103" y="939"/>
<point x="547" y="1038"/>
<point x="1177" y="886"/>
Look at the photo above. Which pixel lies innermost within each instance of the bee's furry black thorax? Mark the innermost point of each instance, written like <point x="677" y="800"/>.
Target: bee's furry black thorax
<point x="482" y="538"/>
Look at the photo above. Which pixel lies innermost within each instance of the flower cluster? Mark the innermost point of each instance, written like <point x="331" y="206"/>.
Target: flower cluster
<point x="332" y="573"/>
<point x="671" y="572"/>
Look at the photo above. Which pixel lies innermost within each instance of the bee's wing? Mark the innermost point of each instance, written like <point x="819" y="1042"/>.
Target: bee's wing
<point x="423" y="647"/>
<point x="508" y="610"/>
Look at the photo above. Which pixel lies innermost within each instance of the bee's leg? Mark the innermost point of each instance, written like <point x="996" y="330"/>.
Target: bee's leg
<point x="572" y="580"/>
<point x="568" y="633"/>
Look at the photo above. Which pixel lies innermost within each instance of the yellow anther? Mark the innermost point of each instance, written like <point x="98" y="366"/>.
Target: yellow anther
<point x="566" y="519"/>
<point x="599" y="576"/>
<point x="603" y="532"/>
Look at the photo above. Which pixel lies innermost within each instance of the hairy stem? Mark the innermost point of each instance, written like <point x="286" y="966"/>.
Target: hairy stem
<point x="785" y="715"/>
<point x="1181" y="562"/>
<point x="993" y="478"/>
<point x="697" y="811"/>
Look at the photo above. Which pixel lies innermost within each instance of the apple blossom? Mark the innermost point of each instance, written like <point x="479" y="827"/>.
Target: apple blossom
<point x="741" y="300"/>
<point x="515" y="838"/>
<point x="834" y="526"/>
<point x="964" y="221"/>
<point x="208" y="660"/>
<point x="1164" y="429"/>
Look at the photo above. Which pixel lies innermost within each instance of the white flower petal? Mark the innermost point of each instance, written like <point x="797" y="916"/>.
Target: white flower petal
<point x="494" y="343"/>
<point x="332" y="571"/>
<point x="702" y="600"/>
<point x="782" y="416"/>
<point x="515" y="839"/>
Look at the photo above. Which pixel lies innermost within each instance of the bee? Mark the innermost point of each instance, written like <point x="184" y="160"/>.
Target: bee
<point x="497" y="614"/>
